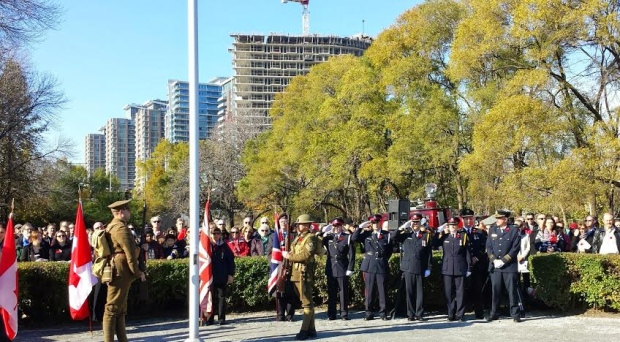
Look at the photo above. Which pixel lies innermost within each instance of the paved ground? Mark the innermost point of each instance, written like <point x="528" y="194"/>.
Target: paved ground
<point x="261" y="327"/>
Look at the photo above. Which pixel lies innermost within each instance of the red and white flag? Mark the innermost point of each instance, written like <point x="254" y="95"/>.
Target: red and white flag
<point x="204" y="263"/>
<point x="8" y="282"/>
<point x="276" y="258"/>
<point x="81" y="278"/>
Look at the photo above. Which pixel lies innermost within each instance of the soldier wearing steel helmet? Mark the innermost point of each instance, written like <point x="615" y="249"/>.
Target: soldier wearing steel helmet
<point x="415" y="263"/>
<point x="125" y="265"/>
<point x="303" y="250"/>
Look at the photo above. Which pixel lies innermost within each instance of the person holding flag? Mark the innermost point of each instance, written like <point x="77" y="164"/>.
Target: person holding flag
<point x="280" y="279"/>
<point x="8" y="283"/>
<point x="205" y="256"/>
<point x="125" y="271"/>
<point x="81" y="279"/>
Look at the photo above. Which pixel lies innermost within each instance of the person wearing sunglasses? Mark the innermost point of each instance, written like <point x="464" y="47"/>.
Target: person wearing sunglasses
<point x="263" y="244"/>
<point x="237" y="243"/>
<point x="60" y="250"/>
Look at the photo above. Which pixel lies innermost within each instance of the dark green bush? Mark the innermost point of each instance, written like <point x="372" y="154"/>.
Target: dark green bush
<point x="562" y="281"/>
<point x="570" y="281"/>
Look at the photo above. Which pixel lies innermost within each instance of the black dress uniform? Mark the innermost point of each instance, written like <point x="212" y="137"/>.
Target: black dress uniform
<point x="456" y="263"/>
<point x="479" y="270"/>
<point x="416" y="257"/>
<point x="223" y="261"/>
<point x="503" y="245"/>
<point x="340" y="259"/>
<point x="378" y="247"/>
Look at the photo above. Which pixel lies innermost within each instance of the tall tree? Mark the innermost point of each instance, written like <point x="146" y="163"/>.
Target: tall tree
<point x="431" y="126"/>
<point x="28" y="104"/>
<point x="545" y="73"/>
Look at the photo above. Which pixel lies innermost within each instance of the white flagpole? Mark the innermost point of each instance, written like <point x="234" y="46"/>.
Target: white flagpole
<point x="194" y="205"/>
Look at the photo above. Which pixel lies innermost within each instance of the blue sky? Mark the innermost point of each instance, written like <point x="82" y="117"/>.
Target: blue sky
<point x="108" y="53"/>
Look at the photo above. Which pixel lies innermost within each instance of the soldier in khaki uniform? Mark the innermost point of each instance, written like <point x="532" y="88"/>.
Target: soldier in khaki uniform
<point x="303" y="249"/>
<point x="125" y="271"/>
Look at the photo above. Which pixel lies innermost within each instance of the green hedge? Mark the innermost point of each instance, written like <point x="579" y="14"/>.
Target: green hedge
<point x="569" y="281"/>
<point x="562" y="281"/>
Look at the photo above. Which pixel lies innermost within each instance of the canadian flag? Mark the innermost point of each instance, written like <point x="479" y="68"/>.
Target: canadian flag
<point x="204" y="261"/>
<point x="81" y="279"/>
<point x="8" y="282"/>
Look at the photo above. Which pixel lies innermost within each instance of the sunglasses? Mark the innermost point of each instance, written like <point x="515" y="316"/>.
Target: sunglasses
<point x="529" y="218"/>
<point x="263" y="231"/>
<point x="60" y="236"/>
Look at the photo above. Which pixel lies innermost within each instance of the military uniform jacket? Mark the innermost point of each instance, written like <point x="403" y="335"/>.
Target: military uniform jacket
<point x="303" y="249"/>
<point x="504" y="244"/>
<point x="416" y="254"/>
<point x="456" y="260"/>
<point x="477" y="248"/>
<point x="340" y="254"/>
<point x="223" y="261"/>
<point x="123" y="246"/>
<point x="378" y="248"/>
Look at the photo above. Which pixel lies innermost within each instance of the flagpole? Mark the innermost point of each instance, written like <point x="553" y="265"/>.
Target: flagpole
<point x="192" y="41"/>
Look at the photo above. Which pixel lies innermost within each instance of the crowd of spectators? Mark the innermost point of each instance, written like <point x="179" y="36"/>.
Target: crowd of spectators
<point x="546" y="234"/>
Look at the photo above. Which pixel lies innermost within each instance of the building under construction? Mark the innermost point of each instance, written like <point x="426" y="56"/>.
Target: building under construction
<point x="264" y="65"/>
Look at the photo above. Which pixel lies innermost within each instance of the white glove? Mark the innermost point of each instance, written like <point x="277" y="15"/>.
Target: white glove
<point x="349" y="273"/>
<point x="467" y="274"/>
<point x="427" y="273"/>
<point x="498" y="263"/>
<point x="285" y="254"/>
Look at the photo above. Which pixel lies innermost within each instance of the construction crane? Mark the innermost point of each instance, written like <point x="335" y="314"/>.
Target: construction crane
<point x="305" y="15"/>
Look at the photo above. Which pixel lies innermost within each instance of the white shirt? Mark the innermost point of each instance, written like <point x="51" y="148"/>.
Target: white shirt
<point x="609" y="245"/>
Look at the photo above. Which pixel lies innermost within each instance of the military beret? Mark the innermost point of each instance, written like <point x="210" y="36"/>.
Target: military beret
<point x="467" y="212"/>
<point x="119" y="205"/>
<point x="347" y="220"/>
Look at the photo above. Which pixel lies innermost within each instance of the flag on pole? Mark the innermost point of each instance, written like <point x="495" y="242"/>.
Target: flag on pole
<point x="276" y="258"/>
<point x="204" y="261"/>
<point x="81" y="278"/>
<point x="8" y="282"/>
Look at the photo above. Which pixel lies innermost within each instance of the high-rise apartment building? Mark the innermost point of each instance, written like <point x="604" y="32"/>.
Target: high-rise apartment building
<point x="120" y="147"/>
<point x="94" y="147"/>
<point x="150" y="127"/>
<point x="264" y="65"/>
<point x="177" y="116"/>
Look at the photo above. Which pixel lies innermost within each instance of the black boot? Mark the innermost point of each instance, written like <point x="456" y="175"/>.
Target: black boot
<point x="302" y="335"/>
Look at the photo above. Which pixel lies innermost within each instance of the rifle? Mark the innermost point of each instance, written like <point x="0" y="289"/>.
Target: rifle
<point x="286" y="268"/>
